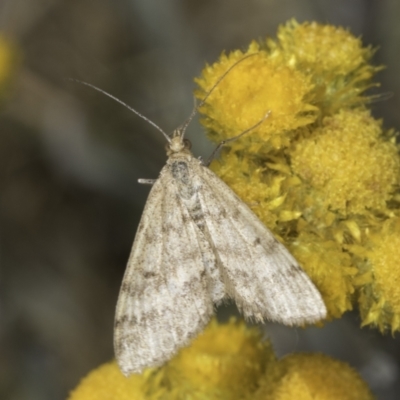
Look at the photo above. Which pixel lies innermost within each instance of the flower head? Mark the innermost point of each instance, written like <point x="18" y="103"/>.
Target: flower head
<point x="243" y="98"/>
<point x="349" y="162"/>
<point x="336" y="62"/>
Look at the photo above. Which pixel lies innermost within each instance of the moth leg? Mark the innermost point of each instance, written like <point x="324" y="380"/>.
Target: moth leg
<point x="147" y="181"/>
<point x="224" y="142"/>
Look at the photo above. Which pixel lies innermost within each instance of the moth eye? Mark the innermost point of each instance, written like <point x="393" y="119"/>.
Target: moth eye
<point x="187" y="143"/>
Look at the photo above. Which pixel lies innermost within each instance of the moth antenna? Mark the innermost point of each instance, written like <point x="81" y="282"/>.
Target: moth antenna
<point x="224" y="142"/>
<point x="196" y="107"/>
<point x="124" y="104"/>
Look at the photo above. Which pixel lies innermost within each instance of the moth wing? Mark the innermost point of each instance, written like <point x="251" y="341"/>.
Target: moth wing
<point x="163" y="302"/>
<point x="259" y="273"/>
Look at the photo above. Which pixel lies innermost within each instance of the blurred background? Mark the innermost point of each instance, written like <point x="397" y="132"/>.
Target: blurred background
<point x="70" y="159"/>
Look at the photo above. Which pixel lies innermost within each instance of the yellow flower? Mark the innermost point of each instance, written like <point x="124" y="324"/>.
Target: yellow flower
<point x="252" y="88"/>
<point x="349" y="162"/>
<point x="335" y="61"/>
<point x="309" y="377"/>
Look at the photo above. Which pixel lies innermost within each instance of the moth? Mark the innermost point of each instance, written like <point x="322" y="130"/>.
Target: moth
<point x="198" y="244"/>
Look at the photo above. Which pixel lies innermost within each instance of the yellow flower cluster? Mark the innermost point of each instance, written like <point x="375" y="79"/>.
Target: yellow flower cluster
<point x="8" y="59"/>
<point x="229" y="361"/>
<point x="320" y="171"/>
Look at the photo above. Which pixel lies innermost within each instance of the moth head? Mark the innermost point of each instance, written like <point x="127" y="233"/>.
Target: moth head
<point x="177" y="143"/>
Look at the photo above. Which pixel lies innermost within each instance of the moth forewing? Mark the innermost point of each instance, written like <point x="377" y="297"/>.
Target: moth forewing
<point x="259" y="273"/>
<point x="163" y="302"/>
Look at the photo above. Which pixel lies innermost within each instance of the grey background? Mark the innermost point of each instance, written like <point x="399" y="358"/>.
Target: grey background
<point x="70" y="159"/>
